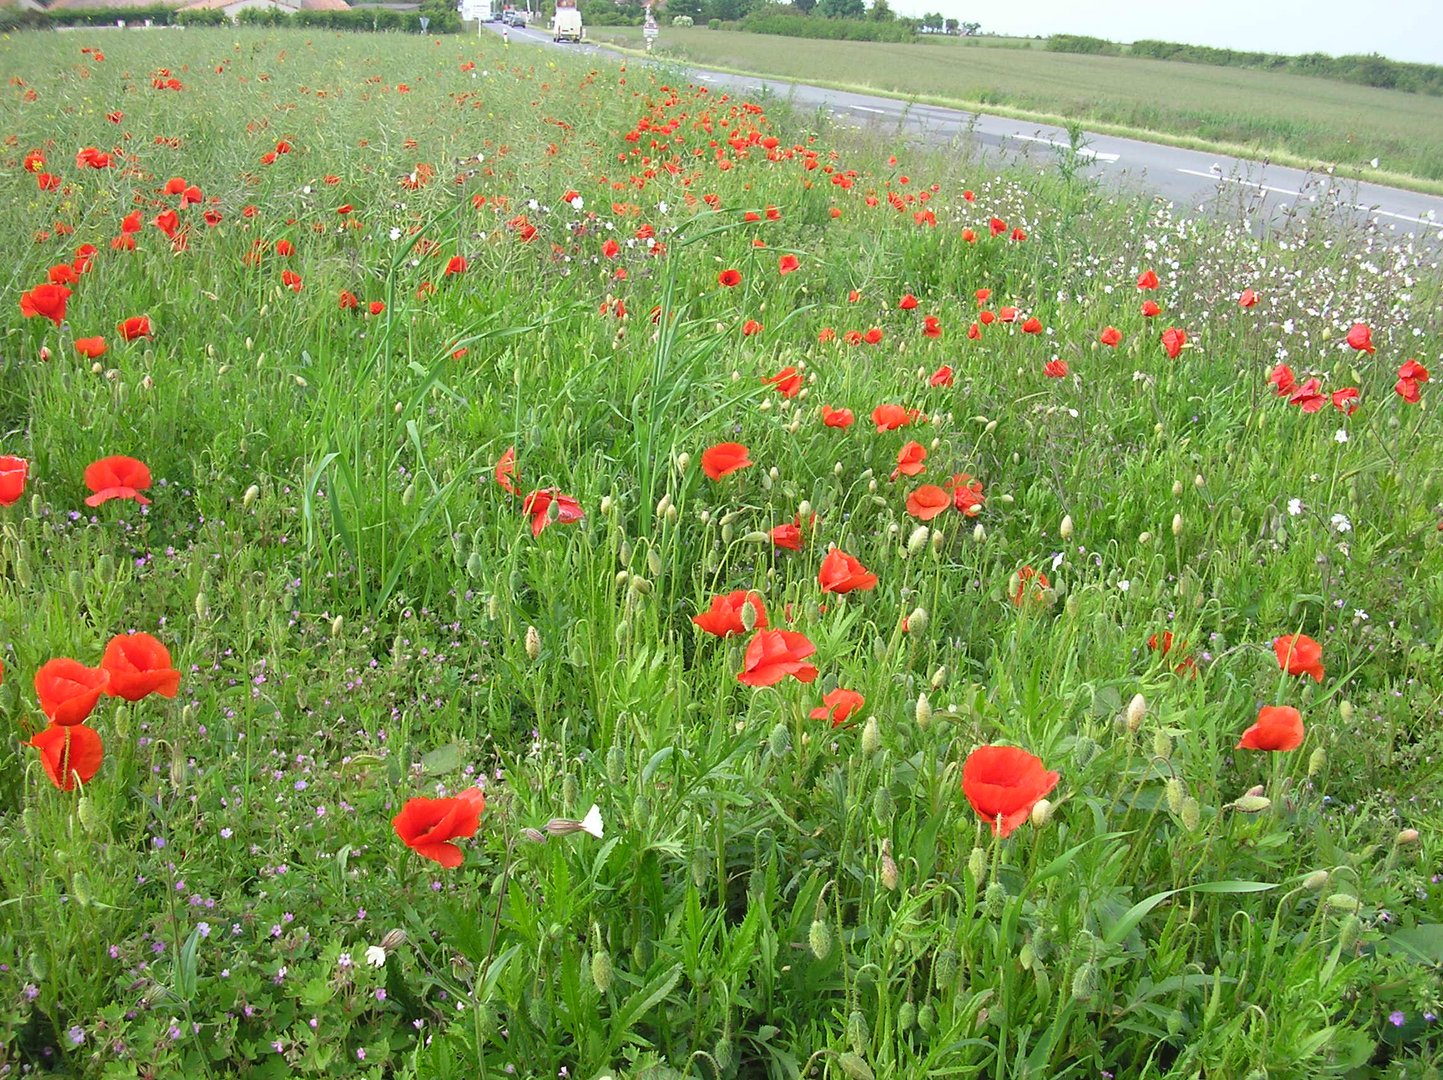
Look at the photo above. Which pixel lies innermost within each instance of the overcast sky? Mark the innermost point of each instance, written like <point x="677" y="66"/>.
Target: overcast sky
<point x="1402" y="29"/>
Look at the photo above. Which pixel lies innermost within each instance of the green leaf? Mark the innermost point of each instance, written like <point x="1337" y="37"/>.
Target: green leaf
<point x="443" y="759"/>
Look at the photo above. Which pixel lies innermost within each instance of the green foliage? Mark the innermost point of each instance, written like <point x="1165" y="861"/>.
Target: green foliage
<point x="362" y="614"/>
<point x="825" y="27"/>
<point x="1082" y="44"/>
<point x="1372" y="70"/>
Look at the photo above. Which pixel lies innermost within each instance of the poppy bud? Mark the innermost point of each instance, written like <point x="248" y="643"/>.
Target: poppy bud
<point x="1177" y="524"/>
<point x="1084" y="982"/>
<point x="1317" y="761"/>
<point x="640" y="585"/>
<point x="819" y="937"/>
<point x="1198" y="481"/>
<point x="1407" y="836"/>
<point x="252" y="493"/>
<point x="1251" y="804"/>
<point x="474" y="565"/>
<point x="939" y="679"/>
<point x="606" y="504"/>
<point x="616" y="765"/>
<point x="979" y="534"/>
<point x="672" y="513"/>
<point x="29" y="823"/>
<point x="533" y="642"/>
<point x="534" y="836"/>
<point x="1144" y="538"/>
<point x="779" y="742"/>
<point x="96" y="368"/>
<point x="1065" y="529"/>
<point x="105" y="567"/>
<point x="927" y="1017"/>
<point x="653" y="562"/>
<point x="493" y="607"/>
<point x="944" y="969"/>
<point x="749" y="616"/>
<point x="601" y="970"/>
<point x="408" y="496"/>
<point x="994" y="898"/>
<point x="923" y="711"/>
<point x="663" y="504"/>
<point x="1191" y="814"/>
<point x="77" y="585"/>
<point x="1348" y="930"/>
<point x="977" y="865"/>
<point x="1343" y="902"/>
<point x="906" y="1017"/>
<point x="1136" y="712"/>
<point x="1316" y="880"/>
<point x="1161" y="745"/>
<point x="641" y="810"/>
<point x="201" y="606"/>
<point x="917" y="540"/>
<point x="682" y="461"/>
<point x="883" y="806"/>
<point x="871" y="740"/>
<point x="857" y="1034"/>
<point x="1345" y="711"/>
<point x="722" y="1053"/>
<point x="888" y="873"/>
<point x="1176" y="792"/>
<point x="89" y="817"/>
<point x="727" y="532"/>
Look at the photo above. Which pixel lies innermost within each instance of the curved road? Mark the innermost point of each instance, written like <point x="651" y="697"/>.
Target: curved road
<point x="1263" y="193"/>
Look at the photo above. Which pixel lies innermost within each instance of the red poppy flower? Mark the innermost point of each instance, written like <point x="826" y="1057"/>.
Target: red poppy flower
<point x="1147" y="280"/>
<point x="1150" y="309"/>
<point x="139" y="665"/>
<point x="927" y="502"/>
<point x="1346" y="400"/>
<point x="1299" y="655"/>
<point x="1173" y="340"/>
<point x="837" y="418"/>
<point x="457" y="264"/>
<point x="13" y="473"/>
<point x="538" y="504"/>
<point x="1407" y="389"/>
<point x="69" y="753"/>
<point x="787" y="381"/>
<point x="1283" y="380"/>
<point x="943" y="376"/>
<point x="729" y="278"/>
<point x="349" y="300"/>
<point x="506" y="471"/>
<point x="137" y="326"/>
<point x="1309" y="397"/>
<point x="966" y="494"/>
<point x="375" y="307"/>
<point x="772" y="655"/>
<point x="724" y="617"/>
<point x="1056" y="368"/>
<point x="892" y="417"/>
<point x="751" y="328"/>
<point x="931" y="327"/>
<point x="723" y="459"/>
<point x="116" y="478"/>
<point x="68" y="690"/>
<point x="1020" y="591"/>
<point x="46" y="301"/>
<point x="1111" y="336"/>
<point x="907" y="303"/>
<point x="1003" y="784"/>
<point x="64" y="274"/>
<point x="838" y="705"/>
<point x="997" y="226"/>
<point x="910" y="460"/>
<point x="90" y="347"/>
<point x="787" y="263"/>
<point x="1247" y="299"/>
<point x="1278" y="727"/>
<point x="292" y="280"/>
<point x="1032" y="326"/>
<point x="428" y="826"/>
<point x="826" y="335"/>
<point x="1361" y="338"/>
<point x="843" y="573"/>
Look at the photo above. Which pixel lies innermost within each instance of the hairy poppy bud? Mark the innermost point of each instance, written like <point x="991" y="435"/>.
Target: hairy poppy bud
<point x="607" y="502"/>
<point x="80" y="888"/>
<point x="1407" y="836"/>
<point x="944" y="969"/>
<point x="979" y="534"/>
<point x="601" y="970"/>
<point x="1161" y="745"/>
<point x="682" y="461"/>
<point x="474" y="565"/>
<point x="337" y="624"/>
<point x="871" y="740"/>
<point x="1191" y="814"/>
<point x="927" y="1017"/>
<point x="855" y="1066"/>
<point x="939" y="677"/>
<point x="1177" y="488"/>
<point x="201" y="605"/>
<point x="533" y="642"/>
<point x="906" y="1017"/>
<point x="1144" y="537"/>
<point x="1198" y="481"/>
<point x="1176" y="792"/>
<point x="569" y="790"/>
<point x="977" y="865"/>
<point x="1348" y="930"/>
<point x="1317" y="761"/>
<point x="779" y="742"/>
<point x="1345" y="711"/>
<point x="1316" y="880"/>
<point x="819" y="938"/>
<point x="1136" y="712"/>
<point x="923" y="711"/>
<point x="857" y="1033"/>
<point x="722" y="1053"/>
<point x="888" y="871"/>
<point x="994" y="899"/>
<point x="749" y="616"/>
<point x="918" y="539"/>
<point x="1084" y="983"/>
<point x="1042" y="812"/>
<point x="252" y="494"/>
<point x="1065" y="529"/>
<point x="408" y="496"/>
<point x="89" y="817"/>
<point x="1177" y="524"/>
<point x="640" y="585"/>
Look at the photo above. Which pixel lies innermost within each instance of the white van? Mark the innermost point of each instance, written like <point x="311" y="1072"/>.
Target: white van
<point x="566" y="26"/>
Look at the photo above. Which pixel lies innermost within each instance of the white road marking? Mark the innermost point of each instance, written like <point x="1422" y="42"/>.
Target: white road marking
<point x="1401" y="217"/>
<point x="866" y="108"/>
<point x="1245" y="183"/>
<point x="1097" y="155"/>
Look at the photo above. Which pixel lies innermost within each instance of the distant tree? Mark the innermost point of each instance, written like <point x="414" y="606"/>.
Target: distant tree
<point x="971" y="28"/>
<point x="952" y="26"/>
<point x="932" y="20"/>
<point x="881" y="11"/>
<point x="841" y="9"/>
<point x="804" y="6"/>
<point x="691" y="8"/>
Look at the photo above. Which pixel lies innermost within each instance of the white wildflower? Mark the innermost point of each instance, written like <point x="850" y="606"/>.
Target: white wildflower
<point x="375" y="956"/>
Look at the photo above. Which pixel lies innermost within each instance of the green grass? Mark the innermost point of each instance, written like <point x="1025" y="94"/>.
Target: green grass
<point x="361" y="614"/>
<point x="1256" y="112"/>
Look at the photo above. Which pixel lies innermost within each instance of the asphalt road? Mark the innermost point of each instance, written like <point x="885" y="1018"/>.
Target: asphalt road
<point x="1266" y="194"/>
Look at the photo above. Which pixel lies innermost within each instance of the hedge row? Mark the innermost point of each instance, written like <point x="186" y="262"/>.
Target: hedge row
<point x="1370" y="70"/>
<point x="787" y="25"/>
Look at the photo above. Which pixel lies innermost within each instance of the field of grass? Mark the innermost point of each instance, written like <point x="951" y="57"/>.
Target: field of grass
<point x="1264" y="112"/>
<point x="652" y="591"/>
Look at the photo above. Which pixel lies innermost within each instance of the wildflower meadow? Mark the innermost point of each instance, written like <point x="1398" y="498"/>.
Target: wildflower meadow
<point x="516" y="565"/>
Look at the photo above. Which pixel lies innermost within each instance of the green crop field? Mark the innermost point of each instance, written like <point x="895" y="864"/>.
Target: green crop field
<point x="515" y="565"/>
<point x="1263" y="112"/>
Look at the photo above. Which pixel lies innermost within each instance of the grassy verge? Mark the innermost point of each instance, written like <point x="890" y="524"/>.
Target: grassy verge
<point x="1290" y="119"/>
<point x="652" y="591"/>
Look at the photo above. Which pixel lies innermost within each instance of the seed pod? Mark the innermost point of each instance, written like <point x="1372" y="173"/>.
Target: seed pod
<point x="871" y="740"/>
<point x="819" y="938"/>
